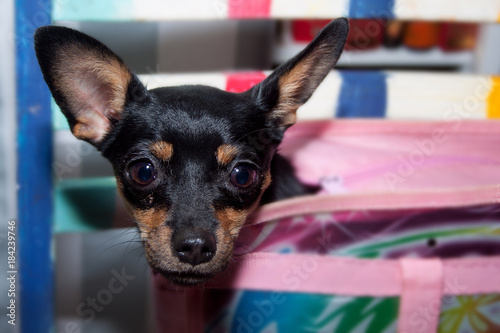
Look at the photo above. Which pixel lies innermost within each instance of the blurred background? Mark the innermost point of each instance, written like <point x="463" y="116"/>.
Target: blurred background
<point x="89" y="256"/>
<point x="224" y="45"/>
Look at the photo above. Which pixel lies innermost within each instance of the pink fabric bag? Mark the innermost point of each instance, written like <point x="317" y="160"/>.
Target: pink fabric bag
<point x="405" y="230"/>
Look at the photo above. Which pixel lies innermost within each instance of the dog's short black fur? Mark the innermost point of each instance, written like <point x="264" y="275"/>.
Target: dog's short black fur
<point x="191" y="162"/>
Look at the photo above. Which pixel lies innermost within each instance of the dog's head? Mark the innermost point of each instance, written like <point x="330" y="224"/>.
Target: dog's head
<point x="191" y="162"/>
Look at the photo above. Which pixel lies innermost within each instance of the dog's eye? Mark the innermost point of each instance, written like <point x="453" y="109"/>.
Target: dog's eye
<point x="142" y="172"/>
<point x="243" y="176"/>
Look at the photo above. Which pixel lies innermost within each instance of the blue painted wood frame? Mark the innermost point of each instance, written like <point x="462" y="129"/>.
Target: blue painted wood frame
<point x="34" y="151"/>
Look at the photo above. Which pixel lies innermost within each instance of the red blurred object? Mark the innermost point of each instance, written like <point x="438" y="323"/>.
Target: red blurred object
<point x="306" y="30"/>
<point x="458" y="36"/>
<point x="363" y="34"/>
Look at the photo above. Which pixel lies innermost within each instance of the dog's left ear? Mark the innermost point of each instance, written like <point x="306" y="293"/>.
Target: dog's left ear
<point x="292" y="83"/>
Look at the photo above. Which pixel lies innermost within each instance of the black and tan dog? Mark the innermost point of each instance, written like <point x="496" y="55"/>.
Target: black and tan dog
<point x="191" y="162"/>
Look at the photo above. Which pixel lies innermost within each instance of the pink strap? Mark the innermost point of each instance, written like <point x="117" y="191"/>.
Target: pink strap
<point x="347" y="276"/>
<point x="333" y="128"/>
<point x="312" y="274"/>
<point x="376" y="201"/>
<point x="420" y="303"/>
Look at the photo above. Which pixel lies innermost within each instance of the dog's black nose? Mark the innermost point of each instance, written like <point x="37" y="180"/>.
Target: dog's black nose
<point x="194" y="246"/>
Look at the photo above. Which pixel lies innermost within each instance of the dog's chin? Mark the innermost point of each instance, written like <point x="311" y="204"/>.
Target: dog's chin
<point x="185" y="279"/>
<point x="190" y="276"/>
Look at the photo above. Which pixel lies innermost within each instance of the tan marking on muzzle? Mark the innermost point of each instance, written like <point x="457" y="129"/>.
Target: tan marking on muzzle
<point x="152" y="217"/>
<point x="231" y="220"/>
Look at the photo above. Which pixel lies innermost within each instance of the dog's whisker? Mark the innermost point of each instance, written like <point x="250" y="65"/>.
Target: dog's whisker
<point x="142" y="225"/>
<point x="118" y="245"/>
<point x="125" y="232"/>
<point x="253" y="132"/>
<point x="133" y="240"/>
<point x="138" y="249"/>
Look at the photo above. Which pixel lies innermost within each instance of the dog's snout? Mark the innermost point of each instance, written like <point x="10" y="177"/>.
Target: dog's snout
<point x="194" y="247"/>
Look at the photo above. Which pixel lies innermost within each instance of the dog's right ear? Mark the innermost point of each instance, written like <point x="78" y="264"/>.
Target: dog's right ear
<point x="88" y="81"/>
<point x="293" y="83"/>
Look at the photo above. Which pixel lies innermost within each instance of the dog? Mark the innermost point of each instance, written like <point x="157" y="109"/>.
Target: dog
<point x="191" y="162"/>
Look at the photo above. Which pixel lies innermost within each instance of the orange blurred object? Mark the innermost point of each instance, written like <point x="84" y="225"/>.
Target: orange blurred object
<point x="420" y="35"/>
<point x="394" y="31"/>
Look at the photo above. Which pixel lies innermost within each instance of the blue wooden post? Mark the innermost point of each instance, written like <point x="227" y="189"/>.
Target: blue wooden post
<point x="34" y="153"/>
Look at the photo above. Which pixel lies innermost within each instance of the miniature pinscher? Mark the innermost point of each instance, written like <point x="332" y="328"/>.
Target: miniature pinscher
<point x="191" y="162"/>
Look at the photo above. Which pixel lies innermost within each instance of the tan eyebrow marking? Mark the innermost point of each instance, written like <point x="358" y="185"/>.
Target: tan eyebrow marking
<point x="226" y="153"/>
<point x="162" y="150"/>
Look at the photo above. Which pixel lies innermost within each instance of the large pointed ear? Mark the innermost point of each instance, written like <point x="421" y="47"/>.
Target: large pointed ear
<point x="87" y="80"/>
<point x="292" y="83"/>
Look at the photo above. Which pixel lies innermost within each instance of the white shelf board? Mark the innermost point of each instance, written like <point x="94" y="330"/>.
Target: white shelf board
<point x="398" y="57"/>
